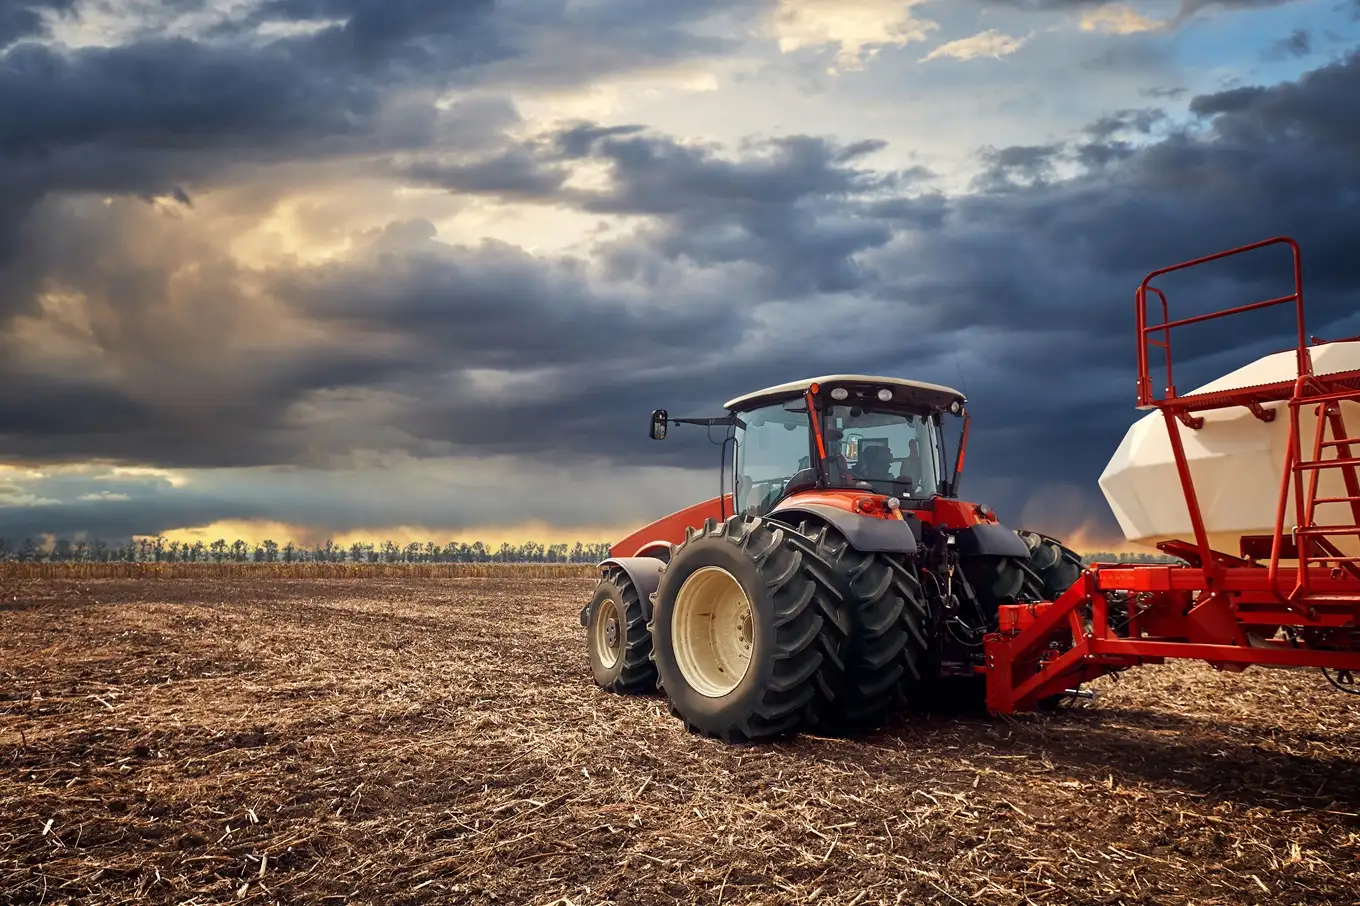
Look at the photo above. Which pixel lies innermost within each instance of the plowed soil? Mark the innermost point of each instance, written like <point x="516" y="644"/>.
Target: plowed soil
<point x="440" y="741"/>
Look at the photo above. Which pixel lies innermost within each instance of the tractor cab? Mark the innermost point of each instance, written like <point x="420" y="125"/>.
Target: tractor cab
<point x="853" y="432"/>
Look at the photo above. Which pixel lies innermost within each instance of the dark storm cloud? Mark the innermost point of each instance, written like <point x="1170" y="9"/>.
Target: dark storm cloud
<point x="115" y="521"/>
<point x="21" y="19"/>
<point x="783" y="207"/>
<point x="509" y="174"/>
<point x="738" y="270"/>
<point x="1297" y="44"/>
<point x="494" y="306"/>
<point x="1005" y="166"/>
<point x="173" y="95"/>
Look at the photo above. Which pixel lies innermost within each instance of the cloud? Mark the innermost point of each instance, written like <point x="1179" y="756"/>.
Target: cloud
<point x="1122" y="18"/>
<point x="1298" y="43"/>
<point x="990" y="43"/>
<point x="858" y="29"/>
<point x="272" y="299"/>
<point x="1118" y="19"/>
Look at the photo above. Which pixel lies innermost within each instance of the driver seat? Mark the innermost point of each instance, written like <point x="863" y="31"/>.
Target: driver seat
<point x="876" y="462"/>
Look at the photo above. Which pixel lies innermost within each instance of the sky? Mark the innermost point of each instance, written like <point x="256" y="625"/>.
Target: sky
<point x="420" y="270"/>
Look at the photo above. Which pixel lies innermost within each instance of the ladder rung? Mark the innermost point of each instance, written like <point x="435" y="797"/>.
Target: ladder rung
<point x="1347" y="499"/>
<point x="1316" y="464"/>
<point x="1341" y="442"/>
<point x="1328" y="530"/>
<point x="1331" y="559"/>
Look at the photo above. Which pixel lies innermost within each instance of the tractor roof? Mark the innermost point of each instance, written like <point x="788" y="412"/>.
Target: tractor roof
<point x="932" y="396"/>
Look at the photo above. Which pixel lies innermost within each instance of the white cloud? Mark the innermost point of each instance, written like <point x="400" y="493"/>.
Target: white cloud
<point x="858" y="28"/>
<point x="990" y="43"/>
<point x="103" y="495"/>
<point x="1117" y="19"/>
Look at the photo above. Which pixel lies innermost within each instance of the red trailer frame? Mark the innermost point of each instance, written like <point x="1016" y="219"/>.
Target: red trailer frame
<point x="1233" y="611"/>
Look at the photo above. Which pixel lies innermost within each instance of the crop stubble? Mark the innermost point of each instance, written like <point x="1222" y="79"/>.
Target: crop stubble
<point x="439" y="741"/>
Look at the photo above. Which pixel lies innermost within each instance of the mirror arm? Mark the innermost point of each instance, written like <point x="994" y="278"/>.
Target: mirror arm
<point x="709" y="422"/>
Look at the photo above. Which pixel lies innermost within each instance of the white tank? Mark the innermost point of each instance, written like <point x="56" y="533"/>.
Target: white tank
<point x="1236" y="461"/>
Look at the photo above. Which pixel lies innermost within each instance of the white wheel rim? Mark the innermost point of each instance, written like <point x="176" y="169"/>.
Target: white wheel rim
<point x="712" y="631"/>
<point x="609" y="634"/>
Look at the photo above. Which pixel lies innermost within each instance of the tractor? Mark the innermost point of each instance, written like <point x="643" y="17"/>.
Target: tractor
<point x="838" y="577"/>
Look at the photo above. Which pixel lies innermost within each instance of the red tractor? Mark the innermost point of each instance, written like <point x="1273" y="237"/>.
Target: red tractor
<point x="842" y="576"/>
<point x="837" y="578"/>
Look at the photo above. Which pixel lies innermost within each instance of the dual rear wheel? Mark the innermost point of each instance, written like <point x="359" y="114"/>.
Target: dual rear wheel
<point x="759" y="628"/>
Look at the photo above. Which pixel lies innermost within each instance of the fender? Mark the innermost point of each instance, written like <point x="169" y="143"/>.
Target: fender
<point x="866" y="533"/>
<point x="991" y="539"/>
<point x="643" y="572"/>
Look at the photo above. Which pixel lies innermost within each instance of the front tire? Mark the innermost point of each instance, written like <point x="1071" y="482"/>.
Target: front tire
<point x="737" y="630"/>
<point x="617" y="638"/>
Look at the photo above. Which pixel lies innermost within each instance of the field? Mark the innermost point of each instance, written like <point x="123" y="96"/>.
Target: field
<point x="253" y="738"/>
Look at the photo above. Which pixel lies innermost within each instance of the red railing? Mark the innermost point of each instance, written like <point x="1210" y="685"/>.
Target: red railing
<point x="1146" y="398"/>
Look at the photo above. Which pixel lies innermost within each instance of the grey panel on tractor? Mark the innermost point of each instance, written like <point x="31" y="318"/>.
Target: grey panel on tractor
<point x="991" y="539"/>
<point x="643" y="572"/>
<point x="865" y="533"/>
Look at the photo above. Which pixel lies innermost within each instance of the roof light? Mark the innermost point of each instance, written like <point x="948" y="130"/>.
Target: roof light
<point x="885" y="394"/>
<point x="839" y="393"/>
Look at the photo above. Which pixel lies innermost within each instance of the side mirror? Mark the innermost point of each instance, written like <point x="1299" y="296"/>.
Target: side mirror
<point x="657" y="430"/>
<point x="851" y="451"/>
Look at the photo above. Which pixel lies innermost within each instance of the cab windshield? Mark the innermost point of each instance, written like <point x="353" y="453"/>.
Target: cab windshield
<point x="893" y="452"/>
<point x="774" y="443"/>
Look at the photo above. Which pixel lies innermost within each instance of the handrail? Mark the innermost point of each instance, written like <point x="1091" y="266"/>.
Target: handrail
<point x="1146" y="398"/>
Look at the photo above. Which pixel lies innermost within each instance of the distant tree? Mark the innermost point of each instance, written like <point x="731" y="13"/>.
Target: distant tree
<point x="289" y="552"/>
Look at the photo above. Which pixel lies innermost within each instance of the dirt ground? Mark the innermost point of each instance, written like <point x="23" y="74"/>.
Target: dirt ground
<point x="440" y="741"/>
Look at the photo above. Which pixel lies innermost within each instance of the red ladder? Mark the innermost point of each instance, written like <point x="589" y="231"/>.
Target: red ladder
<point x="1313" y="543"/>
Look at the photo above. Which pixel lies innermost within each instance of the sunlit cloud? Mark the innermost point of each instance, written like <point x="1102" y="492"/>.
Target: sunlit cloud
<point x="858" y="29"/>
<point x="990" y="43"/>
<point x="1117" y="19"/>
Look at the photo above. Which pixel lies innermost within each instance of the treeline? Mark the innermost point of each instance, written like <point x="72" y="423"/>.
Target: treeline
<point x="1107" y="557"/>
<point x="158" y="550"/>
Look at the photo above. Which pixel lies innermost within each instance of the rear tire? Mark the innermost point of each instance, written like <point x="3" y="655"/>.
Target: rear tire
<point x="887" y="650"/>
<point x="738" y="630"/>
<point x="617" y="638"/>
